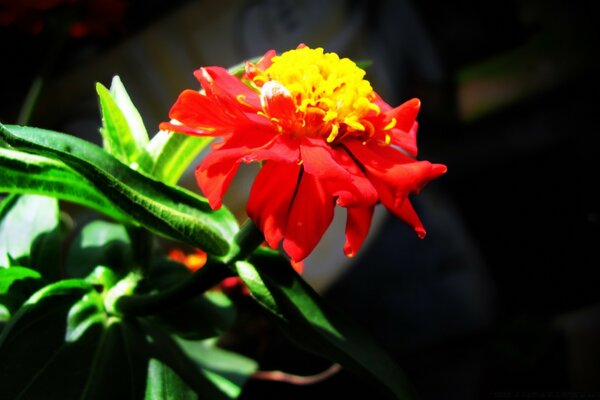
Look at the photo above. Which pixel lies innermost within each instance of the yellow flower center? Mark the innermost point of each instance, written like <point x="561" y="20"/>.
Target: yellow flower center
<point x="327" y="90"/>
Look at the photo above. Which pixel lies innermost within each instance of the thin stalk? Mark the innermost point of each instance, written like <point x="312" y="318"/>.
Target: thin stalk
<point x="214" y="271"/>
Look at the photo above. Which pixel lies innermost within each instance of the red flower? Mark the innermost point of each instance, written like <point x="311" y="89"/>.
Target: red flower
<point x="193" y="261"/>
<point x="324" y="137"/>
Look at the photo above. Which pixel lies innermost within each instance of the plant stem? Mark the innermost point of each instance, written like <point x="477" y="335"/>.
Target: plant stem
<point x="214" y="271"/>
<point x="248" y="238"/>
<point x="200" y="281"/>
<point x="142" y="242"/>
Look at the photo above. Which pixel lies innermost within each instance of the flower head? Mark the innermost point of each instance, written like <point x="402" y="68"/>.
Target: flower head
<point x="324" y="137"/>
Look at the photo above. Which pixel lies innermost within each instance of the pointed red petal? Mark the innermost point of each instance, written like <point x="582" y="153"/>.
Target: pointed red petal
<point x="338" y="173"/>
<point x="358" y="223"/>
<point x="217" y="81"/>
<point x="405" y="114"/>
<point x="407" y="214"/>
<point x="404" y="133"/>
<point x="270" y="199"/>
<point x="202" y="115"/>
<point x="266" y="60"/>
<point x="215" y="180"/>
<point x="394" y="181"/>
<point x="310" y="216"/>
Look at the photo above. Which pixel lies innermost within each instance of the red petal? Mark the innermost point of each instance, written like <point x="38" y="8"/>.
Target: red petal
<point x="404" y="134"/>
<point x="203" y="115"/>
<point x="266" y="60"/>
<point x="405" y="114"/>
<point x="310" y="215"/>
<point x="338" y="173"/>
<point x="218" y="167"/>
<point x="214" y="181"/>
<point x="394" y="181"/>
<point x="358" y="223"/>
<point x="270" y="199"/>
<point x="218" y="81"/>
<point x="253" y="144"/>
<point x="407" y="213"/>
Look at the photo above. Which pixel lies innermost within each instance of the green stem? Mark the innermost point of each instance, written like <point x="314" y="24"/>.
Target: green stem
<point x="247" y="240"/>
<point x="199" y="282"/>
<point x="142" y="242"/>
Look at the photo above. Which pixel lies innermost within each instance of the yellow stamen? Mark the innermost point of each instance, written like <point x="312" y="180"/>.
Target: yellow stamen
<point x="334" y="132"/>
<point x="240" y="98"/>
<point x="390" y="125"/>
<point x="323" y="81"/>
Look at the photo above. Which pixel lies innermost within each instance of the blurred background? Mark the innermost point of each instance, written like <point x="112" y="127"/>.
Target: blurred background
<point x="501" y="299"/>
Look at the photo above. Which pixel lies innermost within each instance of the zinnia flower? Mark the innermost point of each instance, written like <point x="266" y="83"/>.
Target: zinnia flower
<point x="323" y="136"/>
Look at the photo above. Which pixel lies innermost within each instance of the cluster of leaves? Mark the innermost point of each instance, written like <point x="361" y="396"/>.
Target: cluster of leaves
<point x="101" y="312"/>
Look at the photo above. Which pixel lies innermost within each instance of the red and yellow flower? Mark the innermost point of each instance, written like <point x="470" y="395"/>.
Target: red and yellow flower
<point x="323" y="136"/>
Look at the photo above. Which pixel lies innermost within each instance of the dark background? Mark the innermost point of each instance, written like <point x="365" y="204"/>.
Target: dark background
<point x="501" y="299"/>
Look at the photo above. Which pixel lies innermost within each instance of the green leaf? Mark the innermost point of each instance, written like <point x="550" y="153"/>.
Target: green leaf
<point x="364" y="64"/>
<point x="99" y="243"/>
<point x="16" y="285"/>
<point x="66" y="287"/>
<point x="32" y="343"/>
<point x="84" y="314"/>
<point x="117" y="135"/>
<point x="8" y="276"/>
<point x="227" y="370"/>
<point x="166" y="210"/>
<point x="28" y="173"/>
<point x="164" y="383"/>
<point x="43" y="357"/>
<point x="170" y="153"/>
<point x="314" y="325"/>
<point x="29" y="233"/>
<point x="198" y="368"/>
<point x="131" y="114"/>
<point x="120" y="365"/>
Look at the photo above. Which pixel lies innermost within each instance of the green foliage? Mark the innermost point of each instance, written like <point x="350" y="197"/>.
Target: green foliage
<point x="314" y="325"/>
<point x="29" y="233"/>
<point x="63" y="335"/>
<point x="22" y="172"/>
<point x="166" y="210"/>
<point x="170" y="153"/>
<point x="99" y="243"/>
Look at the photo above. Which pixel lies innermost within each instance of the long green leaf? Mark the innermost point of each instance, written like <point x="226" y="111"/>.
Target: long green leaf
<point x="170" y="154"/>
<point x="120" y="365"/>
<point x="22" y="172"/>
<point x="314" y="325"/>
<point x="131" y="114"/>
<point x="163" y="209"/>
<point x="163" y="383"/>
<point x="197" y="372"/>
<point x="116" y="133"/>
